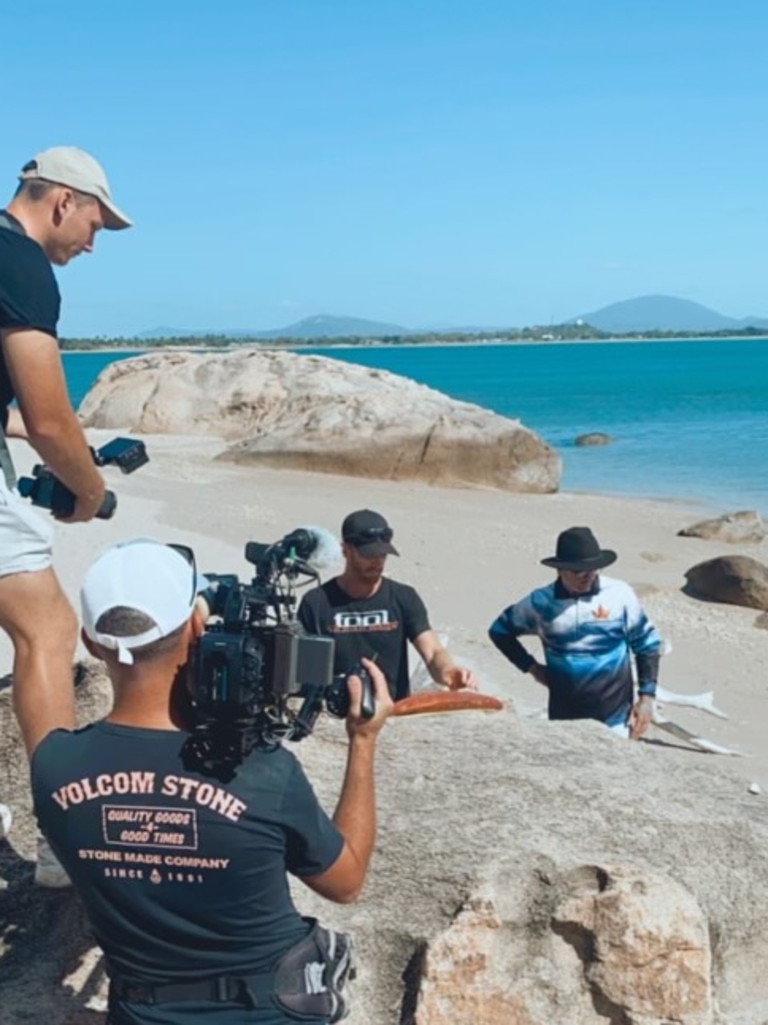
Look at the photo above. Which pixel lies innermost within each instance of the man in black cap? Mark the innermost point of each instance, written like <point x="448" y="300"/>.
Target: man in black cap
<point x="589" y="625"/>
<point x="370" y="616"/>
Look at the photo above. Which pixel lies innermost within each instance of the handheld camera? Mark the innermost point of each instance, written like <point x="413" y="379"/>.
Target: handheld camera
<point x="255" y="677"/>
<point x="48" y="492"/>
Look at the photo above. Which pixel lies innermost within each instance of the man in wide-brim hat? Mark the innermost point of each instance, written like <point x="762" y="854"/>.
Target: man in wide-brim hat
<point x="590" y="626"/>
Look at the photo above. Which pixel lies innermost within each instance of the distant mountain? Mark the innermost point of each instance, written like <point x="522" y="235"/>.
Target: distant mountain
<point x="761" y="322"/>
<point x="663" y="313"/>
<point x="325" y="325"/>
<point x="646" y="313"/>
<point x="171" y="332"/>
<point x="322" y="325"/>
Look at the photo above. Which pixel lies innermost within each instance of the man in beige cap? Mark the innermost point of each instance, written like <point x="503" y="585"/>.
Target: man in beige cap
<point x="62" y="201"/>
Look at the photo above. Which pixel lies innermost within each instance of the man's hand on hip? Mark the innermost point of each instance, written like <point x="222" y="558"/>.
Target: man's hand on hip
<point x="539" y="673"/>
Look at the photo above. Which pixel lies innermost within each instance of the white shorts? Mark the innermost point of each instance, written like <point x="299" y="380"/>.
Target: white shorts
<point x="26" y="538"/>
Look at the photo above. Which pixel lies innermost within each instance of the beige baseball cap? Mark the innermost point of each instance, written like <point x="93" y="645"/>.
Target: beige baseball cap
<point x="67" y="165"/>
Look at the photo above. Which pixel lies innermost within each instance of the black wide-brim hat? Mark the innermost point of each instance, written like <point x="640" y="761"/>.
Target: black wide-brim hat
<point x="578" y="550"/>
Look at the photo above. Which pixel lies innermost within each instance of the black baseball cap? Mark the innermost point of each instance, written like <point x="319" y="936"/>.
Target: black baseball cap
<point x="369" y="532"/>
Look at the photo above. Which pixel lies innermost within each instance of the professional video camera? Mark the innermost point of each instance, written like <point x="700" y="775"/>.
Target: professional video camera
<point x="255" y="677"/>
<point x="48" y="492"/>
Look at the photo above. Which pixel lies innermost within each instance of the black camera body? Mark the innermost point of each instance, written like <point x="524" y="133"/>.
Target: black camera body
<point x="255" y="677"/>
<point x="46" y="491"/>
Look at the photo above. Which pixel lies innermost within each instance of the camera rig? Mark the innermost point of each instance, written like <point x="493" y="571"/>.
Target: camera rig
<point x="255" y="678"/>
<point x="48" y="492"/>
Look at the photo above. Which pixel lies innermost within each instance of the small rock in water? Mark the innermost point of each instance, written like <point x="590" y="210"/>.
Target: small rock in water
<point x="593" y="438"/>
<point x="754" y="788"/>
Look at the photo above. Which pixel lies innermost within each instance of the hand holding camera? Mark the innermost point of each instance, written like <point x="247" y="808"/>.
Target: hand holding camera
<point x="369" y="699"/>
<point x="344" y="692"/>
<point x="47" y="491"/>
<point x="255" y="677"/>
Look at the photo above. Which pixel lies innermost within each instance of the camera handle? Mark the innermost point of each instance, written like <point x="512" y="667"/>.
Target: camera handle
<point x="367" y="699"/>
<point x="48" y="492"/>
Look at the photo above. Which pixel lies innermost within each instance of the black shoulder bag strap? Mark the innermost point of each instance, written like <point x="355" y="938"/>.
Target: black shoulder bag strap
<point x="6" y="463"/>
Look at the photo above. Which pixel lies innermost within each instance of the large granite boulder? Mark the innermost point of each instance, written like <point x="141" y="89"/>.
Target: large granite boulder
<point x="314" y="413"/>
<point x="733" y="579"/>
<point x="744" y="527"/>
<point x="526" y="873"/>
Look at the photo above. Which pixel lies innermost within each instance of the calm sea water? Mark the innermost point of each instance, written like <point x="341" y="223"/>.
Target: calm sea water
<point x="689" y="419"/>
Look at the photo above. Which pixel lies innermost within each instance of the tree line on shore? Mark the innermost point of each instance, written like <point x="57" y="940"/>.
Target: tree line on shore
<point x="561" y="333"/>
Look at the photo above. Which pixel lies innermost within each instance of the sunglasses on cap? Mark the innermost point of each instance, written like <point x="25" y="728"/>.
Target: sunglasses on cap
<point x="189" y="557"/>
<point x="369" y="534"/>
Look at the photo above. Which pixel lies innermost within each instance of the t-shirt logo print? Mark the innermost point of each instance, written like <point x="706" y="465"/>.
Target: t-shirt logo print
<point x="363" y="621"/>
<point x="600" y="612"/>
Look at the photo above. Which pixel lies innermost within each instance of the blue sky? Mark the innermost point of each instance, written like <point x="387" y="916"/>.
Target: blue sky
<point x="422" y="163"/>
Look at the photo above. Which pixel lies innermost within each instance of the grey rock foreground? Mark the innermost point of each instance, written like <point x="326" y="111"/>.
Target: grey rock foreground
<point x="526" y="873"/>
<point x="313" y="413"/>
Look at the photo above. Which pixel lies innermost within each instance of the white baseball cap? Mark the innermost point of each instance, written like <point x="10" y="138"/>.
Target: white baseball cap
<point x="149" y="576"/>
<point x="67" y="165"/>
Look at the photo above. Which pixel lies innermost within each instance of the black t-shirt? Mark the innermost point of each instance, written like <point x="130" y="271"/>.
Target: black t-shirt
<point x="379" y="626"/>
<point x="183" y="876"/>
<point x="29" y="295"/>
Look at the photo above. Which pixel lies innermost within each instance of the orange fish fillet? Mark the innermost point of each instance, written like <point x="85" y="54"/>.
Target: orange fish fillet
<point x="446" y="701"/>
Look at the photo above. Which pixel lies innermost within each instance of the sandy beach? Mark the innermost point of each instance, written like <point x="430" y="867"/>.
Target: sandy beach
<point x="468" y="552"/>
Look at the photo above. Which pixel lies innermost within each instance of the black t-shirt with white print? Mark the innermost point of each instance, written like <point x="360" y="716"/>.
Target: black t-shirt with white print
<point x="29" y="295"/>
<point x="183" y="876"/>
<point x="378" y="627"/>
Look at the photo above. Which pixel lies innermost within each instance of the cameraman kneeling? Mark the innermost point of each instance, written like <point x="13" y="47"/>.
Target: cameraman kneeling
<point x="184" y="876"/>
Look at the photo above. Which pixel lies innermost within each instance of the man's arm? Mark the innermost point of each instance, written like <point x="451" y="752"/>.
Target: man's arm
<point x="503" y="634"/>
<point x="34" y="365"/>
<point x="355" y="815"/>
<point x="439" y="663"/>
<point x="514" y="622"/>
<point x="645" y="642"/>
<point x="15" y="426"/>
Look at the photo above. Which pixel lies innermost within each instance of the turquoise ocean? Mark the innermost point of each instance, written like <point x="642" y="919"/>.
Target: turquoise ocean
<point x="689" y="419"/>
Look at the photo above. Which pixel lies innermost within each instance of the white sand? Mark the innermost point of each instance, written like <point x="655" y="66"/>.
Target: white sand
<point x="469" y="553"/>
